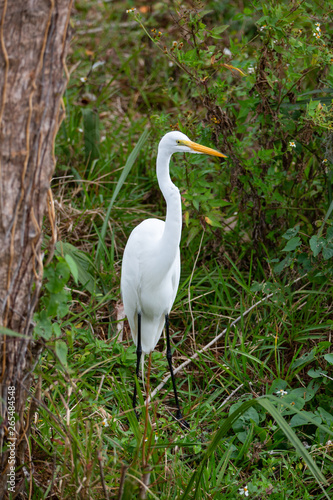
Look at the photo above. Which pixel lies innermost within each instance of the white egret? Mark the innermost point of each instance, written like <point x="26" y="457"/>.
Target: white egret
<point x="151" y="262"/>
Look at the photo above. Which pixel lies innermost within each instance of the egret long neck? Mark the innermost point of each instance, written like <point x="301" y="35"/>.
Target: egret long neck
<point x="173" y="221"/>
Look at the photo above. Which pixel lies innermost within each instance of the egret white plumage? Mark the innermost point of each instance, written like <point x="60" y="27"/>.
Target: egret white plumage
<point x="151" y="262"/>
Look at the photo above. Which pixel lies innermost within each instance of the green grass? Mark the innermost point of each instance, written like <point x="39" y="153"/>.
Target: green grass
<point x="86" y="441"/>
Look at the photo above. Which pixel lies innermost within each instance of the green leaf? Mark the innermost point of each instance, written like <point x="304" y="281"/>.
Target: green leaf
<point x="256" y="287"/>
<point x="292" y="244"/>
<point x="213" y="220"/>
<point x="58" y="277"/>
<point x="291" y="233"/>
<point x="63" y="305"/>
<point x="203" y="13"/>
<point x="277" y="385"/>
<point x="328" y="251"/>
<point x="316" y="244"/>
<point x="215" y="32"/>
<point x="329" y="358"/>
<point x="56" y="329"/>
<point x="306" y="394"/>
<point x="329" y="234"/>
<point x="193" y="232"/>
<point x="86" y="269"/>
<point x="304" y="359"/>
<point x="265" y="287"/>
<point x="58" y="304"/>
<point x="250" y="415"/>
<point x="302" y="419"/>
<point x="297" y="403"/>
<point x="73" y="267"/>
<point x="325" y="344"/>
<point x="61" y="351"/>
<point x="316" y="373"/>
<point x="326" y="417"/>
<point x="284" y="263"/>
<point x="43" y="326"/>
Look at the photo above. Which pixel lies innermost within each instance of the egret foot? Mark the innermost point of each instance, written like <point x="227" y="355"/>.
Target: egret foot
<point x="180" y="419"/>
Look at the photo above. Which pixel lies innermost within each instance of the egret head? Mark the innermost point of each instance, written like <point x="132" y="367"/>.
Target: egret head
<point x="177" y="142"/>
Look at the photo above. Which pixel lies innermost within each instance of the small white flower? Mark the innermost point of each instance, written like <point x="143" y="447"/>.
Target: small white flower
<point x="105" y="422"/>
<point x="325" y="160"/>
<point x="281" y="392"/>
<point x="329" y="443"/>
<point x="83" y="79"/>
<point x="263" y="27"/>
<point x="244" y="491"/>
<point x="130" y="10"/>
<point x="250" y="70"/>
<point x="292" y="144"/>
<point x="227" y="52"/>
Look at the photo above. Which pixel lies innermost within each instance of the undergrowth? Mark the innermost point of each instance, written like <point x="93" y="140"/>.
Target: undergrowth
<point x="254" y="80"/>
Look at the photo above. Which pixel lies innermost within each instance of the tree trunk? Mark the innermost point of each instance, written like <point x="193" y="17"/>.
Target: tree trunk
<point x="33" y="46"/>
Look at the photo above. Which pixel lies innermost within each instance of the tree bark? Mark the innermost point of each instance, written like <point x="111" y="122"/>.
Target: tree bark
<point x="33" y="45"/>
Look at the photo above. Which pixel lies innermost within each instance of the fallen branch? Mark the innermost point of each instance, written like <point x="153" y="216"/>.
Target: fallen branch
<point x="197" y="353"/>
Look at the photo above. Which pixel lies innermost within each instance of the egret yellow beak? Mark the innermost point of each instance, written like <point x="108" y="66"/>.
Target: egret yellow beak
<point x="202" y="149"/>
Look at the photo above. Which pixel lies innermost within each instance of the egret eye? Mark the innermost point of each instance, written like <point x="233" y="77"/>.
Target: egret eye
<point x="178" y="142"/>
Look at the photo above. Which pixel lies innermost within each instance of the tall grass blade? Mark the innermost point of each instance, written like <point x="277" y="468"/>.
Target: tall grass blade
<point x="10" y="333"/>
<point x="127" y="168"/>
<point x="91" y="136"/>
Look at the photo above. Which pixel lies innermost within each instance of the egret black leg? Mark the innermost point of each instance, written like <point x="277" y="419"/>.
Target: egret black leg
<point x="138" y="358"/>
<point x="179" y="415"/>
